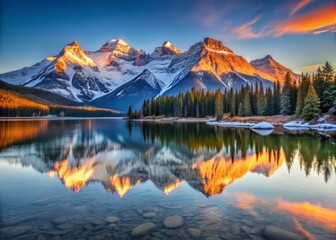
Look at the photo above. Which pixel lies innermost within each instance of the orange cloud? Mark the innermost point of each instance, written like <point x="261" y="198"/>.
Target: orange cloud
<point x="318" y="21"/>
<point x="314" y="213"/>
<point x="310" y="68"/>
<point x="245" y="31"/>
<point x="299" y="228"/>
<point x="323" y="17"/>
<point x="301" y="4"/>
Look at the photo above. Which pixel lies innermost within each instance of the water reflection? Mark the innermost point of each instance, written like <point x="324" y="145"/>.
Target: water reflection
<point x="229" y="183"/>
<point x="121" y="155"/>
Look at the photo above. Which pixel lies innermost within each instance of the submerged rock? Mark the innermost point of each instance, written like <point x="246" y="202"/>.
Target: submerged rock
<point x="60" y="220"/>
<point x="194" y="232"/>
<point x="17" y="231"/>
<point x="143" y="229"/>
<point x="173" y="221"/>
<point x="235" y="229"/>
<point x="275" y="233"/>
<point x="149" y="215"/>
<point x="64" y="226"/>
<point x="213" y="238"/>
<point x="98" y="222"/>
<point x="112" y="219"/>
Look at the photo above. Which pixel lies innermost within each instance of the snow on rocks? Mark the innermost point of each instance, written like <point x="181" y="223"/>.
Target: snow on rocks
<point x="263" y="132"/>
<point x="263" y="125"/>
<point x="296" y="124"/>
<point x="292" y="125"/>
<point x="299" y="125"/>
<point x="324" y="127"/>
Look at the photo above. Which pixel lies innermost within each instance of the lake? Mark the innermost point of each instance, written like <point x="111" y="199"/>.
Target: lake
<point x="100" y="178"/>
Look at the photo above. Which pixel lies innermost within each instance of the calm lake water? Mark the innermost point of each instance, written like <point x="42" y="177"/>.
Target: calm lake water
<point x="64" y="179"/>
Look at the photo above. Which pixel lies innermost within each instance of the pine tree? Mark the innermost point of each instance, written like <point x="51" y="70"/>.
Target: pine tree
<point x="332" y="97"/>
<point x="269" y="102"/>
<point x="301" y="94"/>
<point x="241" y="112"/>
<point x="233" y="103"/>
<point x="277" y="98"/>
<point x="130" y="112"/>
<point x="261" y="101"/>
<point x="247" y="105"/>
<point x="328" y="72"/>
<point x="218" y="104"/>
<point x="320" y="86"/>
<point x="286" y="103"/>
<point x="177" y="111"/>
<point x="311" y="109"/>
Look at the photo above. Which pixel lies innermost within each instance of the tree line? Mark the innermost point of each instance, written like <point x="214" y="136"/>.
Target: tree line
<point x="312" y="95"/>
<point x="13" y="104"/>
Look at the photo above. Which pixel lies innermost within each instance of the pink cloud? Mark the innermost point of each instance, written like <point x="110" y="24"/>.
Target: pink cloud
<point x="318" y="21"/>
<point x="245" y="31"/>
<point x="301" y="4"/>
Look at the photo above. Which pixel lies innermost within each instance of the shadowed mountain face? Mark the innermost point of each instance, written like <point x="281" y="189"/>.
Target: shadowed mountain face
<point x="122" y="155"/>
<point x="110" y="77"/>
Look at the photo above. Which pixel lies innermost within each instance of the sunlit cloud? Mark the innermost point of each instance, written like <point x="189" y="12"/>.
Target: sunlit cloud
<point x="318" y="21"/>
<point x="309" y="68"/>
<point x="323" y="17"/>
<point x="311" y="212"/>
<point x="301" y="4"/>
<point x="299" y="228"/>
<point x="247" y="202"/>
<point x="245" y="31"/>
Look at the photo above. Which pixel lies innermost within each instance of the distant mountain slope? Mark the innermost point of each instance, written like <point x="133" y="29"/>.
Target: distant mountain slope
<point x="269" y="66"/>
<point x="132" y="93"/>
<point x="38" y="95"/>
<point x="25" y="101"/>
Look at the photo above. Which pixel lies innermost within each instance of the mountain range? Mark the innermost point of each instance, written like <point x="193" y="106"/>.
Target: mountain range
<point x="118" y="75"/>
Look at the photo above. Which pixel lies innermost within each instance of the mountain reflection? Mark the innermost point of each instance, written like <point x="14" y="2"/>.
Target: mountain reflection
<point x="121" y="155"/>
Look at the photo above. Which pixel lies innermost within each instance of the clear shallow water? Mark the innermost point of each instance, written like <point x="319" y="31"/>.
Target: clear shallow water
<point x="62" y="179"/>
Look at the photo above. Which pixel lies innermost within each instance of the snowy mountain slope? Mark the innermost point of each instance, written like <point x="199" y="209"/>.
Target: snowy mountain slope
<point x="269" y="66"/>
<point x="132" y="93"/>
<point x="20" y="76"/>
<point x="211" y="65"/>
<point x="93" y="76"/>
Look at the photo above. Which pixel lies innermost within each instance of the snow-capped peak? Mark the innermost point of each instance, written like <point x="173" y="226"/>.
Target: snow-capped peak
<point x="72" y="54"/>
<point x="167" y="44"/>
<point x="169" y="49"/>
<point x="270" y="66"/>
<point x="217" y="46"/>
<point x="115" y="44"/>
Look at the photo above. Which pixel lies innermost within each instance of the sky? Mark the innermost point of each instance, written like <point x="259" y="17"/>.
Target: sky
<point x="300" y="34"/>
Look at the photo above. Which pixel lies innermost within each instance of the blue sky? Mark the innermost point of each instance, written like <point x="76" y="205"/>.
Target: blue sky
<point x="297" y="33"/>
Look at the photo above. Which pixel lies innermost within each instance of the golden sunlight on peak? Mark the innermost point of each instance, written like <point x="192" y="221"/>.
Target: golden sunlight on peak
<point x="60" y="65"/>
<point x="51" y="58"/>
<point x="219" y="172"/>
<point x="168" y="189"/>
<point x="121" y="184"/>
<point x="73" y="177"/>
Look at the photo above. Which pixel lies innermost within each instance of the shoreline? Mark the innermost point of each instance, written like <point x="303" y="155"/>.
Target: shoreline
<point x="268" y="123"/>
<point x="55" y="118"/>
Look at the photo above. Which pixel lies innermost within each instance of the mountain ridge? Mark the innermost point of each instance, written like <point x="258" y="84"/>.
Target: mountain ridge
<point x="87" y="76"/>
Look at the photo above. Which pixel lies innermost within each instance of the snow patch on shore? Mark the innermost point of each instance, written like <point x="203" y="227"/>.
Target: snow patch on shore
<point x="263" y="125"/>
